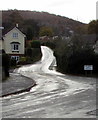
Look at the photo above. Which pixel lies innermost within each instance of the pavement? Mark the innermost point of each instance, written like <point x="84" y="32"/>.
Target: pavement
<point x="16" y="84"/>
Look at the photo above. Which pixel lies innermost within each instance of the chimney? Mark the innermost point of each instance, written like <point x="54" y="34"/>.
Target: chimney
<point x="17" y="25"/>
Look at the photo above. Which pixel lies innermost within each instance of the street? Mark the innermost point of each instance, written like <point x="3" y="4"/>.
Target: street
<point x="55" y="96"/>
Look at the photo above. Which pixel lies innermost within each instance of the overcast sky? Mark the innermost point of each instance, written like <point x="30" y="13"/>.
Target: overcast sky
<point x="81" y="10"/>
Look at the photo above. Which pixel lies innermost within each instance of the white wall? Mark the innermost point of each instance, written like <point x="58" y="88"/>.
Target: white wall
<point x="1" y="44"/>
<point x="9" y="38"/>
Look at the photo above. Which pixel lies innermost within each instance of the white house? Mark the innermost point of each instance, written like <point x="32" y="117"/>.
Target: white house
<point x="14" y="43"/>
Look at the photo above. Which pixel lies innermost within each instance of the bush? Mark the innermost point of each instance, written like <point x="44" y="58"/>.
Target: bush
<point x="28" y="52"/>
<point x="50" y="44"/>
<point x="6" y="64"/>
<point x="35" y="44"/>
<point x="13" y="62"/>
<point x="22" y="61"/>
<point x="33" y="53"/>
<point x="74" y="64"/>
<point x="71" y="57"/>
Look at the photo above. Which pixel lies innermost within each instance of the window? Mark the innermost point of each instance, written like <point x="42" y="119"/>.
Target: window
<point x="15" y="35"/>
<point x="15" y="57"/>
<point x="15" y="46"/>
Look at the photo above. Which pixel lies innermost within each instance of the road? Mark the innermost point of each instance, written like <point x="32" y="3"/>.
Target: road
<point x="55" y="96"/>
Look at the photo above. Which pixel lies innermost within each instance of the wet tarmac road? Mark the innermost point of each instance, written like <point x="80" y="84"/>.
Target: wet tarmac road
<point x="55" y="96"/>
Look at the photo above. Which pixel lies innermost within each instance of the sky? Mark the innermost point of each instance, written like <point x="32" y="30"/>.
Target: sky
<point x="81" y="10"/>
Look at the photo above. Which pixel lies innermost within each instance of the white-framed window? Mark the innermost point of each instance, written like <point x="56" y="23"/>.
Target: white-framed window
<point x="15" y="35"/>
<point x="15" y="46"/>
<point x="15" y="57"/>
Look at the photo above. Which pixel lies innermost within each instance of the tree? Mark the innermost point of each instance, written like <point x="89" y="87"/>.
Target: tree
<point x="93" y="27"/>
<point x="35" y="44"/>
<point x="29" y="52"/>
<point x="46" y="31"/>
<point x="29" y="34"/>
<point x="15" y="17"/>
<point x="82" y="29"/>
<point x="31" y="26"/>
<point x="73" y="55"/>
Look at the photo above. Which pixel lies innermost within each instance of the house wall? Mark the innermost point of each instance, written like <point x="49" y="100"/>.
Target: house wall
<point x="9" y="38"/>
<point x="1" y="44"/>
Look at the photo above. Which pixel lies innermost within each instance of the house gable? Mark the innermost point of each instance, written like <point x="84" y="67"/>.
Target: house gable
<point x="14" y="42"/>
<point x="14" y="29"/>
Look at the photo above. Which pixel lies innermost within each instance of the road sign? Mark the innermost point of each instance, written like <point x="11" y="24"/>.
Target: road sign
<point x="88" y="67"/>
<point x="1" y="28"/>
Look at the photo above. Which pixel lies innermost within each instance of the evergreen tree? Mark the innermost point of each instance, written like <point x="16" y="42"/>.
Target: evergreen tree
<point x="29" y="34"/>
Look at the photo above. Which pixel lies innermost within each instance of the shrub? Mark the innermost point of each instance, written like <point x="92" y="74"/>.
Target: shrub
<point x="5" y="64"/>
<point x="13" y="62"/>
<point x="23" y="60"/>
<point x="72" y="57"/>
<point x="28" y="52"/>
<point x="74" y="63"/>
<point x="50" y="44"/>
<point x="35" y="44"/>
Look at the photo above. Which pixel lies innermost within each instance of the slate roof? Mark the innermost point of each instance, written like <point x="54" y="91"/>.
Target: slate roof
<point x="17" y="30"/>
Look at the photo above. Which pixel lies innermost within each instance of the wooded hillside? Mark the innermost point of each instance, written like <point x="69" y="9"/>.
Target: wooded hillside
<point x="60" y="25"/>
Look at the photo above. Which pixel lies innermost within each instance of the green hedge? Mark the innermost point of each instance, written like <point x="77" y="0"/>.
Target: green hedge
<point x="75" y="63"/>
<point x="35" y="44"/>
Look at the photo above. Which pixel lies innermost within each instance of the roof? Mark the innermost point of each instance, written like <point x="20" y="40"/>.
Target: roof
<point x="16" y="30"/>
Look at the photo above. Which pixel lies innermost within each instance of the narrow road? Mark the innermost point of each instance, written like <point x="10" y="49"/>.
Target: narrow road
<point x="55" y="96"/>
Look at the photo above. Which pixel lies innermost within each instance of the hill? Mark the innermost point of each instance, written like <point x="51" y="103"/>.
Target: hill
<point x="60" y="25"/>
